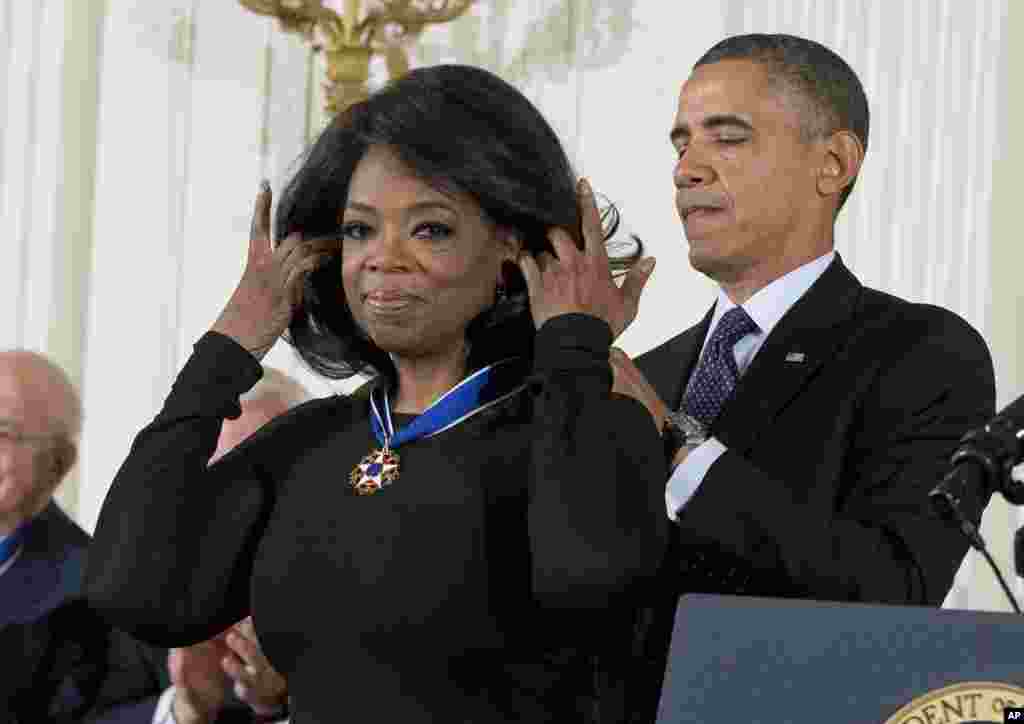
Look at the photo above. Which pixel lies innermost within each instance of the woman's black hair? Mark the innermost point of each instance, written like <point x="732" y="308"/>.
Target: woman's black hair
<point x="460" y="129"/>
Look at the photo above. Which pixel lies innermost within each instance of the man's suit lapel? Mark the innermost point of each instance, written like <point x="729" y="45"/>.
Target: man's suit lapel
<point x="24" y="588"/>
<point x="45" y="574"/>
<point x="804" y="340"/>
<point x="668" y="367"/>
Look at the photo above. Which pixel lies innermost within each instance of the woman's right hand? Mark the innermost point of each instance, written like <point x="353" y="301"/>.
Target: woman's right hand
<point x="270" y="289"/>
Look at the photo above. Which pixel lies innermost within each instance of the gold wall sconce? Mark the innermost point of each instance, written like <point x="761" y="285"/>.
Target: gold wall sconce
<point x="351" y="37"/>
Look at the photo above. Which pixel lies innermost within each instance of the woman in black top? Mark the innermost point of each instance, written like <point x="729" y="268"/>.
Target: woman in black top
<point x="458" y="541"/>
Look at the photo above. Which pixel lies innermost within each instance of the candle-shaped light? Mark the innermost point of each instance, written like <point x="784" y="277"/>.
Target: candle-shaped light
<point x="350" y="32"/>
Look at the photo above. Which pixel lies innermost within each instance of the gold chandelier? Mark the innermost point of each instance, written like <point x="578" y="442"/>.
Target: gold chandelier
<point x="349" y="39"/>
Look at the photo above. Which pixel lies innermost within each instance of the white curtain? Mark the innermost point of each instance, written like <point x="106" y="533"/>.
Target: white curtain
<point x="48" y="64"/>
<point x="199" y="99"/>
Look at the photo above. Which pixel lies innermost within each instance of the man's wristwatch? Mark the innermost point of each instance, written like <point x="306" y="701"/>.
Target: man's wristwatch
<point x="681" y="430"/>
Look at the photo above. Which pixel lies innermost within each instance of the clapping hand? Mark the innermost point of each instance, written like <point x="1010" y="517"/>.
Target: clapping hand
<point x="200" y="683"/>
<point x="255" y="680"/>
<point x="205" y="673"/>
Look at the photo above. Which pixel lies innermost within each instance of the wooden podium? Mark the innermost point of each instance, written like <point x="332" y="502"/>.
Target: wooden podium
<point x="780" y="661"/>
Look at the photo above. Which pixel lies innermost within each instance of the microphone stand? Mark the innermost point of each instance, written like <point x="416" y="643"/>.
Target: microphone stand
<point x="973" y="535"/>
<point x="984" y="462"/>
<point x="1013" y="491"/>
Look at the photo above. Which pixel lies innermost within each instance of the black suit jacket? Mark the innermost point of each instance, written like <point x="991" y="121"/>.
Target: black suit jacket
<point x="60" y="657"/>
<point x="62" y="663"/>
<point x="823" y="492"/>
<point x="46" y="637"/>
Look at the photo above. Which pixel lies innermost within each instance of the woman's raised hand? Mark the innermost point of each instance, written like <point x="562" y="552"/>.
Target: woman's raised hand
<point x="581" y="281"/>
<point x="270" y="289"/>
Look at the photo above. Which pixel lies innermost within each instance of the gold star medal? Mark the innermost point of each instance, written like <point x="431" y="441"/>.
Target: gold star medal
<point x="375" y="471"/>
<point x="482" y="389"/>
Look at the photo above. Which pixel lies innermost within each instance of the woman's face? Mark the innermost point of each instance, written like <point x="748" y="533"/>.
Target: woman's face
<point x="417" y="264"/>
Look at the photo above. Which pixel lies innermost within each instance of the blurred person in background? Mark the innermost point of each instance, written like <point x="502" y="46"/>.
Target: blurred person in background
<point x="53" y="644"/>
<point x="71" y="666"/>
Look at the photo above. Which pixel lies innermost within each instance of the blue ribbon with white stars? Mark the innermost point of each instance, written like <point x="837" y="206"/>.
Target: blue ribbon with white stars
<point x="484" y="388"/>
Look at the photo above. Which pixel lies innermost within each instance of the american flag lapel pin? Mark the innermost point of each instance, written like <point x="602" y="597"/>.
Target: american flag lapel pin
<point x="795" y="357"/>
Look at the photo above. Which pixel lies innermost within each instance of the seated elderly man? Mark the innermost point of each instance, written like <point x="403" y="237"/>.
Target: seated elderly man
<point x="48" y="637"/>
<point x="70" y="664"/>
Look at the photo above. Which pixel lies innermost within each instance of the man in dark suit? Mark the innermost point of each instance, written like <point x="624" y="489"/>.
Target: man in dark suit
<point x="63" y="663"/>
<point x="52" y="644"/>
<point x="807" y="416"/>
<point x="51" y="641"/>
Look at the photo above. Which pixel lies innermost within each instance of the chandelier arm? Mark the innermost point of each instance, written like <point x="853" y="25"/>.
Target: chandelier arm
<point x="396" y="6"/>
<point x="261" y="7"/>
<point x="301" y="19"/>
<point x="404" y="13"/>
<point x="369" y="25"/>
<point x="349" y="43"/>
<point x="332" y="26"/>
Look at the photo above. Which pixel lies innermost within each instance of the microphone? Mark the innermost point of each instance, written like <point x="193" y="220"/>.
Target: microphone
<point x="1018" y="552"/>
<point x="981" y="465"/>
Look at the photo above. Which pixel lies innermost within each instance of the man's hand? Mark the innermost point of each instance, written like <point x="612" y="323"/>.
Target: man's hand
<point x="581" y="281"/>
<point x="680" y="456"/>
<point x="255" y="680"/>
<point x="630" y="381"/>
<point x="204" y="674"/>
<point x="201" y="686"/>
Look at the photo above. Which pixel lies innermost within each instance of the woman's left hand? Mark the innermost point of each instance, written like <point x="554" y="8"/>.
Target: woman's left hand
<point x="581" y="281"/>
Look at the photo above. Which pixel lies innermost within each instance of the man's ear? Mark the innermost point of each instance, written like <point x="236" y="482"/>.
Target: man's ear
<point x="841" y="162"/>
<point x="63" y="457"/>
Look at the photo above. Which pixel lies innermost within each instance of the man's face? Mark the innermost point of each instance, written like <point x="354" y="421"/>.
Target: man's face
<point x="27" y="448"/>
<point x="745" y="178"/>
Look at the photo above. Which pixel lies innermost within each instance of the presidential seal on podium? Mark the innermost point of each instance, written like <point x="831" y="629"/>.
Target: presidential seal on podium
<point x="971" y="702"/>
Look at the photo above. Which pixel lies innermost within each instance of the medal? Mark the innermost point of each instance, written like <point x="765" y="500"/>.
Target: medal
<point x="380" y="467"/>
<point x="483" y="389"/>
<point x="376" y="470"/>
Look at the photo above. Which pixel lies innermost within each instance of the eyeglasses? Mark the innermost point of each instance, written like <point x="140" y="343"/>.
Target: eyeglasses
<point x="12" y="434"/>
